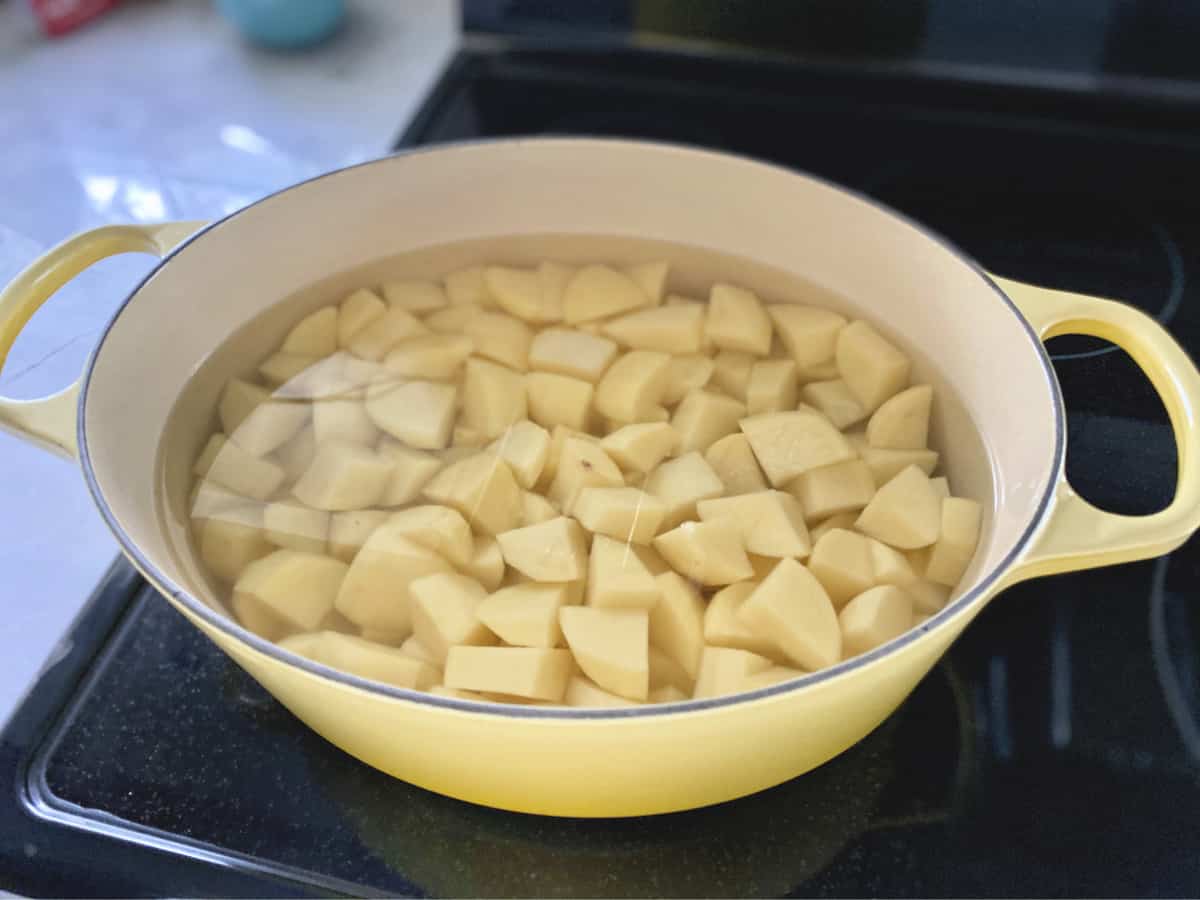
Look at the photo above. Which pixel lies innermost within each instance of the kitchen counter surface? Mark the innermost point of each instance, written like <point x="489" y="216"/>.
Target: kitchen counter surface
<point x="157" y="111"/>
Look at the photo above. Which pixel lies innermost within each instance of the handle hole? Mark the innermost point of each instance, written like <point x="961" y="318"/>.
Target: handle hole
<point x="1121" y="452"/>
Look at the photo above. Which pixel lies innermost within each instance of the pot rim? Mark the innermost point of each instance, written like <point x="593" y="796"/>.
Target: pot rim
<point x="226" y="624"/>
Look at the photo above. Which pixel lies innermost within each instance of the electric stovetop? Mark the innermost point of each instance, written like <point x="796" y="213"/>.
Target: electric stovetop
<point x="1054" y="751"/>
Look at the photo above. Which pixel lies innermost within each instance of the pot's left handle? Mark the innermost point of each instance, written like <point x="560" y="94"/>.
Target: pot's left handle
<point x="49" y="421"/>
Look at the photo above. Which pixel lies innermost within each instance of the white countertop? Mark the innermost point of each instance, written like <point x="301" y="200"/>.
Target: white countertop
<point x="157" y="111"/>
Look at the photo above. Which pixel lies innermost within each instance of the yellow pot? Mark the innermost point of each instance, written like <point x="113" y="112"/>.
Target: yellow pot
<point x="137" y="417"/>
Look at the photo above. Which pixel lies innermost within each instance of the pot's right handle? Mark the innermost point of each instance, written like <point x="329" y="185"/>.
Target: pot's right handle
<point x="49" y="421"/>
<point x="1079" y="535"/>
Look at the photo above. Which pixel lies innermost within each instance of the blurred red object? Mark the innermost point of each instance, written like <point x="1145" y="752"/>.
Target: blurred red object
<point x="58" y="17"/>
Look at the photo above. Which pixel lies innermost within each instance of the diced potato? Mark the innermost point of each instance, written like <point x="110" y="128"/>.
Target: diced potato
<point x="280" y="368"/>
<point x="623" y="513"/>
<point x="731" y="372"/>
<point x="724" y="670"/>
<point x="298" y="588"/>
<point x="583" y="691"/>
<point x="685" y="374"/>
<point x="890" y="566"/>
<point x="433" y="356"/>
<point x="941" y="486"/>
<point x="843" y="563"/>
<point x="902" y="421"/>
<point x="927" y="596"/>
<point x="465" y="437"/>
<point x="358" y="374"/>
<point x="315" y="335"/>
<point x="787" y="444"/>
<point x="681" y="483"/>
<point x="772" y="386"/>
<point x="809" y="333"/>
<point x="948" y="560"/>
<point x="723" y="627"/>
<point x="452" y="320"/>
<point x="642" y="446"/>
<point x="668" y="693"/>
<point x="581" y="464"/>
<point x="835" y="401"/>
<point x="535" y="508"/>
<point x="704" y="418"/>
<point x="207" y="499"/>
<point x="611" y="646"/>
<point x="558" y="439"/>
<point x="443" y="613"/>
<point x="887" y="464"/>
<point x="617" y="579"/>
<point x="518" y="292"/>
<point x="651" y="277"/>
<point x="525" y="447"/>
<point x="419" y="413"/>
<point x="791" y="608"/>
<point x="670" y="329"/>
<point x="494" y="397"/>
<point x="768" y="677"/>
<point x="348" y="531"/>
<point x="549" y="551"/>
<point x="375" y="593"/>
<point x="212" y="447"/>
<point x="439" y="528"/>
<point x="501" y="338"/>
<point x="665" y="672"/>
<point x="633" y="385"/>
<point x="238" y="400"/>
<point x="356" y="312"/>
<point x="412" y="646"/>
<point x="487" y="563"/>
<point x="232" y="539"/>
<point x="373" y="341"/>
<point x="574" y="353"/>
<point x="466" y="287"/>
<point x="906" y="512"/>
<point x="297" y="454"/>
<point x="871" y="366"/>
<point x="677" y="621"/>
<point x="771" y="523"/>
<point x="296" y="527"/>
<point x="841" y="520"/>
<point x="710" y="553"/>
<point x="411" y="471"/>
<point x="596" y="292"/>
<point x="525" y="615"/>
<point x="373" y="661"/>
<point x="737" y="320"/>
<point x="343" y="420"/>
<point x="918" y="559"/>
<point x="650" y="558"/>
<point x="244" y="473"/>
<point x="343" y="476"/>
<point x="483" y="489"/>
<point x="733" y="460"/>
<point x="554" y="278"/>
<point x="539" y="673"/>
<point x="415" y="296"/>
<point x="842" y="487"/>
<point x="559" y="400"/>
<point x="874" y="617"/>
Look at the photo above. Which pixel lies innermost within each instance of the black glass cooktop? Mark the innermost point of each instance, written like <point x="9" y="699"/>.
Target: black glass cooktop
<point x="1054" y="751"/>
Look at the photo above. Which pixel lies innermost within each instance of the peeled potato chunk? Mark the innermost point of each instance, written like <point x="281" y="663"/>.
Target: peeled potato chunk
<point x="611" y="646"/>
<point x="724" y="670"/>
<point x="681" y="483"/>
<point x="710" y="553"/>
<point x="419" y="413"/>
<point x="772" y="386"/>
<point x="209" y="453"/>
<point x="703" y="418"/>
<point x="668" y="693"/>
<point x="902" y="421"/>
<point x="452" y="321"/>
<point x="651" y="277"/>
<point x="467" y="287"/>
<point x="538" y="673"/>
<point x="296" y="527"/>
<point x="874" y="617"/>
<point x="685" y="374"/>
<point x="641" y="447"/>
<point x="574" y="353"/>
<point x="501" y="338"/>
<point x="768" y="677"/>
<point x="948" y="560"/>
<point x="787" y="444"/>
<point x="365" y="659"/>
<point x="299" y="588"/>
<point x="525" y="615"/>
<point x="559" y="400"/>
<point x="232" y="540"/>
<point x="524" y="446"/>
<point x="632" y="387"/>
<point x="842" y="487"/>
<point x="373" y="341"/>
<point x="439" y="528"/>
<point x="238" y="400"/>
<point x="519" y="293"/>
<point x="617" y="578"/>
<point x="809" y="333"/>
<point x="348" y="531"/>
<point x="841" y="520"/>
<point x="494" y="397"/>
<point x="487" y="562"/>
<point x="906" y="512"/>
<point x="735" y="464"/>
<point x="356" y="312"/>
<point x="664" y="671"/>
<point x="871" y="366"/>
<point x="835" y="401"/>
<point x="737" y="320"/>
<point x="671" y="329"/>
<point x="843" y="563"/>
<point x="343" y="476"/>
<point x="624" y="513"/>
<point x="415" y="296"/>
<point x="770" y="523"/>
<point x="677" y="621"/>
<point x="731" y="372"/>
<point x="280" y="368"/>
<point x="432" y="356"/>
<point x="375" y="592"/>
<point x="244" y="473"/>
<point x="583" y="691"/>
<point x="927" y="597"/>
<point x="314" y="335"/>
<point x="549" y="551"/>
<point x="411" y="471"/>
<point x="535" y="508"/>
<point x="581" y="464"/>
<point x="483" y="489"/>
<point x="723" y="627"/>
<point x="596" y="292"/>
<point x="890" y="566"/>
<point x="443" y="613"/>
<point x="791" y="608"/>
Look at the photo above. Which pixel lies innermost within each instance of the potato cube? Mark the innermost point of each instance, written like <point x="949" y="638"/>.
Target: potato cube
<point x="623" y="513"/>
<point x="535" y="508"/>
<point x="297" y="454"/>
<point x="731" y="372"/>
<point x="581" y="464"/>
<point x="411" y="471"/>
<point x="686" y="374"/>
<point x="204" y="461"/>
<point x="905" y="512"/>
<point x="902" y="421"/>
<point x="487" y="563"/>
<point x="771" y="523"/>
<point x="373" y="341"/>
<point x="948" y="560"/>
<point x="670" y="329"/>
<point x="841" y="520"/>
<point x="467" y="287"/>
<point x="843" y="563"/>
<point x="642" y="446"/>
<point x="483" y="489"/>
<point x="233" y="539"/>
<point x="787" y="444"/>
<point x="539" y="673"/>
<point x="501" y="338"/>
<point x="703" y="418"/>
<point x="583" y="691"/>
<point x="343" y="420"/>
<point x="770" y="677"/>
<point x="299" y="588"/>
<point x="668" y="693"/>
<point x="238" y="400"/>
<point x="343" y="476"/>
<point x="244" y="473"/>
<point x="373" y="661"/>
<point x="871" y="366"/>
<point x="439" y="528"/>
<point x="632" y="387"/>
<point x="617" y="579"/>
<point x="890" y="566"/>
<point x="651" y="277"/>
<point x="737" y="320"/>
<point x="419" y="413"/>
<point x="270" y="425"/>
<point x="443" y="613"/>
<point x="549" y="551"/>
<point x="554" y="278"/>
<point x="524" y="446"/>
<point x="772" y="386"/>
<point x="842" y="487"/>
<point x="375" y="593"/>
<point x="611" y="646"/>
<point x="665" y="672"/>
<point x="710" y="553"/>
<point x="296" y="527"/>
<point x="723" y="670"/>
<point x="519" y="293"/>
<point x="558" y="439"/>
<point x="207" y="499"/>
<point x="809" y="333"/>
<point x="525" y="615"/>
<point x="733" y="460"/>
<point x="723" y="627"/>
<point x="835" y="401"/>
<point x="559" y="400"/>
<point x="348" y="531"/>
<point x="572" y="353"/>
<point x="874" y="617"/>
<point x="927" y="596"/>
<point x="886" y="464"/>
<point x="356" y="312"/>
<point x="677" y="621"/>
<point x="452" y="321"/>
<point x="596" y="292"/>
<point x="280" y="368"/>
<point x="415" y="296"/>
<point x="433" y="356"/>
<point x="314" y="335"/>
<point x="650" y="558"/>
<point x="791" y="608"/>
<point x="681" y="483"/>
<point x="411" y="646"/>
<point x="494" y="397"/>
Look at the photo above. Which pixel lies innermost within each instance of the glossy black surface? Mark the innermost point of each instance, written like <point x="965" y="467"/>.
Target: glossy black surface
<point x="1055" y="751"/>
